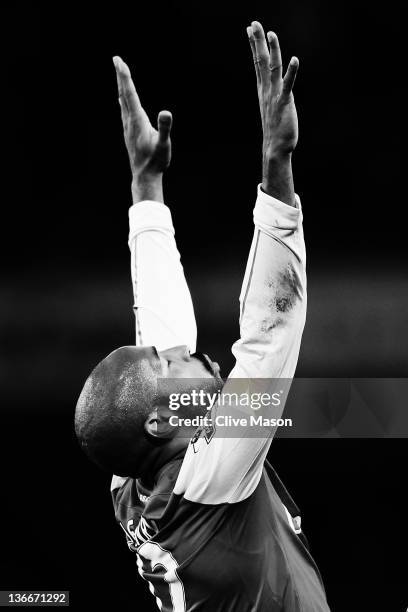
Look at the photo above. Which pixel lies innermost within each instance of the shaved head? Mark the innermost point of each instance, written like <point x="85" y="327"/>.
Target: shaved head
<point x="113" y="406"/>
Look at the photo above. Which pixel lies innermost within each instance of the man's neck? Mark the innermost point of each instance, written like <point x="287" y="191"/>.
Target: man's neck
<point x="170" y="453"/>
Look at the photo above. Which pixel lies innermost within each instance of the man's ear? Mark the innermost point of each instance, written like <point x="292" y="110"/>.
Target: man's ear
<point x="157" y="424"/>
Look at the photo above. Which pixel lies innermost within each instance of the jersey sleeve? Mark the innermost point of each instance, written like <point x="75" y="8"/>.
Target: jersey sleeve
<point x="163" y="307"/>
<point x="224" y="464"/>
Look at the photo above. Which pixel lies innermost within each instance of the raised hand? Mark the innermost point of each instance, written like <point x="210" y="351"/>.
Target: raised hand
<point x="149" y="149"/>
<point x="277" y="105"/>
<point x="278" y="111"/>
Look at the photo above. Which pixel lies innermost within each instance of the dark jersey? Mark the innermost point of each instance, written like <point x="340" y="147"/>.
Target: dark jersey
<point x="226" y="557"/>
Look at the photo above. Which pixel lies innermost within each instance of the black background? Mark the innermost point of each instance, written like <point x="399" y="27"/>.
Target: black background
<point x="66" y="295"/>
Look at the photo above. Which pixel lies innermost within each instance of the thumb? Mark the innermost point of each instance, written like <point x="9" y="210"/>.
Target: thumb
<point x="290" y="76"/>
<point x="164" y="123"/>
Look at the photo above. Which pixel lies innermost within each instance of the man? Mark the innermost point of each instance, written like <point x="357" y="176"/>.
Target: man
<point x="211" y="524"/>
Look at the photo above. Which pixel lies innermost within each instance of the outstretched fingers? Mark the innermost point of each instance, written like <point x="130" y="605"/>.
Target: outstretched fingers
<point x="290" y="76"/>
<point x="123" y="106"/>
<point x="128" y="98"/>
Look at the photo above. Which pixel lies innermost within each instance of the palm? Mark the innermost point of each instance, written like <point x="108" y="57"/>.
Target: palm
<point x="149" y="149"/>
<point x="279" y="122"/>
<point x="141" y="141"/>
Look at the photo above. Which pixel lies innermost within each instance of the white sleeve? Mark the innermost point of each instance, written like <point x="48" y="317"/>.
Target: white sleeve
<point x="164" y="313"/>
<point x="222" y="468"/>
<point x="162" y="302"/>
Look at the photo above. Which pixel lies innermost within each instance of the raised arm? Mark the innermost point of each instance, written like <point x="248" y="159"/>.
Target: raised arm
<point x="164" y="314"/>
<point x="273" y="296"/>
<point x="163" y="308"/>
<point x="225" y="465"/>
